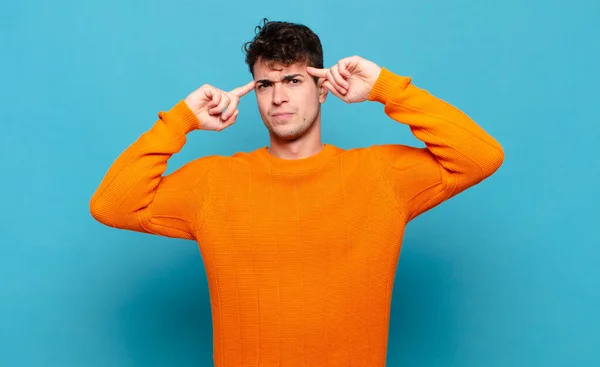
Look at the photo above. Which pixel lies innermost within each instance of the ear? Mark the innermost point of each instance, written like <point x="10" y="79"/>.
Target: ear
<point x="323" y="91"/>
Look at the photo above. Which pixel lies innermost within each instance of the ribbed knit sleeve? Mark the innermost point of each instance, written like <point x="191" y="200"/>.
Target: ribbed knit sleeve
<point x="136" y="195"/>
<point x="458" y="153"/>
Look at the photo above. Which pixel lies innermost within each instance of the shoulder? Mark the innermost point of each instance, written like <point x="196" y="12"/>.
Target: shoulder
<point x="400" y="155"/>
<point x="386" y="151"/>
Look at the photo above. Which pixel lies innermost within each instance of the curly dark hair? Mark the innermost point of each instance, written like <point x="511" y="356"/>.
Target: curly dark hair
<point x="285" y="43"/>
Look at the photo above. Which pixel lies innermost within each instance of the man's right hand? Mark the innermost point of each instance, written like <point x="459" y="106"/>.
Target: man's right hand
<point x="208" y="104"/>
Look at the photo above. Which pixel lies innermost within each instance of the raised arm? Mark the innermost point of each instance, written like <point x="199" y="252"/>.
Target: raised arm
<point x="136" y="195"/>
<point x="458" y="152"/>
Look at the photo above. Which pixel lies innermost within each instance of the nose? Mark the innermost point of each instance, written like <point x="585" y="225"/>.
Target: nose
<point x="279" y="94"/>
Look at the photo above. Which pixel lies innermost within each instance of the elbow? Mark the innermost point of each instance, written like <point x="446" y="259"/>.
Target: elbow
<point x="497" y="159"/>
<point x="99" y="212"/>
<point x="494" y="159"/>
<point x="113" y="214"/>
<point x="476" y="169"/>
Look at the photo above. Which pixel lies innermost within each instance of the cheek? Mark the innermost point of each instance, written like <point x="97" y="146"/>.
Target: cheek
<point x="311" y="102"/>
<point x="262" y="106"/>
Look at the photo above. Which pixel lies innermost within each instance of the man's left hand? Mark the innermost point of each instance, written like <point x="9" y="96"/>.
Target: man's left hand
<point x="351" y="79"/>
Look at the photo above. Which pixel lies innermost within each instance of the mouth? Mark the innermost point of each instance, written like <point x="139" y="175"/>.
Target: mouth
<point x="282" y="115"/>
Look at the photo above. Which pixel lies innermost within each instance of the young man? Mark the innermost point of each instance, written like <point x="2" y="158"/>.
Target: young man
<point x="300" y="239"/>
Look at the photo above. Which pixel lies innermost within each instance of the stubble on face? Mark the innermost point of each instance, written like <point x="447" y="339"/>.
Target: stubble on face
<point x="293" y="129"/>
<point x="298" y="96"/>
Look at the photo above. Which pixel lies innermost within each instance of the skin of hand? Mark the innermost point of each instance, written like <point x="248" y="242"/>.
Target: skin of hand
<point x="351" y="79"/>
<point x="216" y="109"/>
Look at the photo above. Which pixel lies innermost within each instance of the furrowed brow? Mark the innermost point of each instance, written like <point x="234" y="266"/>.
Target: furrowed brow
<point x="263" y="81"/>
<point x="285" y="79"/>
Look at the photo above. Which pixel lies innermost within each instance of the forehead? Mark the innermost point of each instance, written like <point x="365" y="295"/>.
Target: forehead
<point x="264" y="70"/>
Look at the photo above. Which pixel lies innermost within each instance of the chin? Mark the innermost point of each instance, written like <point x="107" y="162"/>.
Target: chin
<point x="288" y="134"/>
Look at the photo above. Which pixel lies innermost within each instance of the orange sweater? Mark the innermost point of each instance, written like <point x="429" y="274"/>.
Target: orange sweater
<point x="300" y="255"/>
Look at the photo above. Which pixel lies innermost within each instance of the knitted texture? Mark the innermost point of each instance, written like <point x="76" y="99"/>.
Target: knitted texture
<point x="300" y="254"/>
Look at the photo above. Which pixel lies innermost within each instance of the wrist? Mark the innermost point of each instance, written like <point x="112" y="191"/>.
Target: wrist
<point x="374" y="79"/>
<point x="387" y="85"/>
<point x="182" y="116"/>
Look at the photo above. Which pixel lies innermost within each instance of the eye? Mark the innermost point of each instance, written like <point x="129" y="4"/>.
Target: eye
<point x="264" y="85"/>
<point x="295" y="81"/>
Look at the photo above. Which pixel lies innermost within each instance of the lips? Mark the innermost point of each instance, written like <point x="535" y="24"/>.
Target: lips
<point x="282" y="114"/>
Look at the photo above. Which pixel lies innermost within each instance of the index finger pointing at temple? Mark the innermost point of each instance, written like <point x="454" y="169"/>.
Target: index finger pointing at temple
<point x="321" y="73"/>
<point x="243" y="90"/>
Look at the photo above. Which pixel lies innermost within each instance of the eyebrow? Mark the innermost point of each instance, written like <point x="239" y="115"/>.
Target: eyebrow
<point x="285" y="78"/>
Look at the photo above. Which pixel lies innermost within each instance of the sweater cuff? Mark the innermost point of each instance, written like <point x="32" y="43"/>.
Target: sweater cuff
<point x="387" y="85"/>
<point x="181" y="118"/>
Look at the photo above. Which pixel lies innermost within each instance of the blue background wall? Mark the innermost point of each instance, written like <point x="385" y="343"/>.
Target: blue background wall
<point x="505" y="274"/>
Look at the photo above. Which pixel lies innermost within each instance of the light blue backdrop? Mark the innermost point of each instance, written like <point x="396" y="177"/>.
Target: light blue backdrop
<point x="505" y="274"/>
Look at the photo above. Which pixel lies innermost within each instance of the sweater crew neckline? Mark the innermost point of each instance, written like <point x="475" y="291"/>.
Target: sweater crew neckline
<point x="300" y="164"/>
